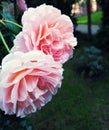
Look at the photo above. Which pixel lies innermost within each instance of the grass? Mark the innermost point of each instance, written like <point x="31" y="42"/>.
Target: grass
<point x="96" y="18"/>
<point x="80" y="104"/>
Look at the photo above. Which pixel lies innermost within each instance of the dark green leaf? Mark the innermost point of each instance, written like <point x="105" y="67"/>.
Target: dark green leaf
<point x="15" y="29"/>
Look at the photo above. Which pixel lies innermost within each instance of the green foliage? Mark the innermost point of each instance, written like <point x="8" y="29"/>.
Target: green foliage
<point x="8" y="30"/>
<point x="96" y="18"/>
<point x="91" y="62"/>
<point x="12" y="27"/>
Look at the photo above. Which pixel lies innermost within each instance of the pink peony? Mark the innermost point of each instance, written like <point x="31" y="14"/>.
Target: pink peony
<point x="21" y="5"/>
<point x="46" y="29"/>
<point x="28" y="81"/>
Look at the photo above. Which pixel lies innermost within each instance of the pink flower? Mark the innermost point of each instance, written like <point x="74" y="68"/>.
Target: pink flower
<point x="46" y="29"/>
<point x="28" y="81"/>
<point x="21" y="5"/>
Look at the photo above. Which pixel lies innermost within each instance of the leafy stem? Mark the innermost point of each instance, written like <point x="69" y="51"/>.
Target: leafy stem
<point x="11" y="22"/>
<point x="4" y="42"/>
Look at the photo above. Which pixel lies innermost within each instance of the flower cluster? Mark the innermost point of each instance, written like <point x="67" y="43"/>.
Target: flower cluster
<point x="32" y="72"/>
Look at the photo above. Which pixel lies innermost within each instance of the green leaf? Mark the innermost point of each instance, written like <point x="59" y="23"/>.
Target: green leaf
<point x="12" y="24"/>
<point x="4" y="42"/>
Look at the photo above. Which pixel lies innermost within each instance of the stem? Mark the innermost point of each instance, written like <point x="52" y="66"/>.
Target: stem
<point x="2" y="23"/>
<point x="4" y="42"/>
<point x="8" y="21"/>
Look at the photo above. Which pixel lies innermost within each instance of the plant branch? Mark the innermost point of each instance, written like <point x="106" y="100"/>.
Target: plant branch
<point x="4" y="42"/>
<point x="8" y="21"/>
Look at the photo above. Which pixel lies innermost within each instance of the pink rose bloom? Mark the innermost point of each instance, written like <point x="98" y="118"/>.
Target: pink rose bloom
<point x="21" y="5"/>
<point x="46" y="29"/>
<point x="28" y="81"/>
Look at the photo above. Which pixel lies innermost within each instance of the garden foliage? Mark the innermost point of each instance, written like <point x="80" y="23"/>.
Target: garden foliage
<point x="91" y="62"/>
